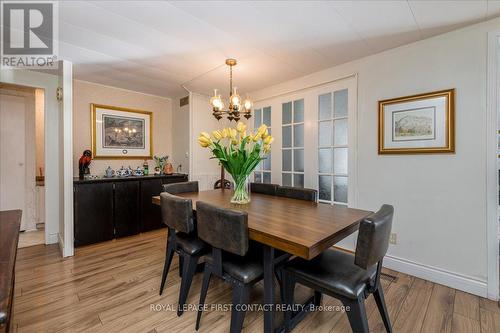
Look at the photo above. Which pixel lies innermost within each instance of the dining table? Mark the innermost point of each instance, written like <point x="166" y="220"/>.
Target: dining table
<point x="285" y="227"/>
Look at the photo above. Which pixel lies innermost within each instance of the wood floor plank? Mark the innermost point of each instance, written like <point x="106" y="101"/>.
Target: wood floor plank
<point x="489" y="305"/>
<point x="490" y="321"/>
<point x="467" y="305"/>
<point x="412" y="314"/>
<point x="462" y="324"/>
<point x="440" y="310"/>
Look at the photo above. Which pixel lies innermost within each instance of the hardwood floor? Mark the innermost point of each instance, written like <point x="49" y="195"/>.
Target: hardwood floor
<point x="113" y="287"/>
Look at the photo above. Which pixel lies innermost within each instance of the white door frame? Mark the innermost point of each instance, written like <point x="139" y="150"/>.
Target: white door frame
<point x="492" y="165"/>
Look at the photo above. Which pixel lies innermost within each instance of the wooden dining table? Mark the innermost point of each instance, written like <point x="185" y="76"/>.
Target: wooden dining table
<point x="296" y="227"/>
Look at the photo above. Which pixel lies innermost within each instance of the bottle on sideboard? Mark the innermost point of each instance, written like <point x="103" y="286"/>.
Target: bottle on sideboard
<point x="145" y="166"/>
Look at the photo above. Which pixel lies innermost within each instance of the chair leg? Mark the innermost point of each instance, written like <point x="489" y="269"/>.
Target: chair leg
<point x="166" y="266"/>
<point x="380" y="300"/>
<point x="241" y="294"/>
<point x="188" y="270"/>
<point x="317" y="298"/>
<point x="181" y="265"/>
<point x="203" y="294"/>
<point x="279" y="277"/>
<point x="288" y="298"/>
<point x="357" y="315"/>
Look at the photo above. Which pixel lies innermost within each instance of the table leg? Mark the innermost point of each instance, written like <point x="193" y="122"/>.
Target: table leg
<point x="269" y="288"/>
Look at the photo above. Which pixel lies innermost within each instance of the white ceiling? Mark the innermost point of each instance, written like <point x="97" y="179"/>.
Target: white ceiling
<point x="156" y="46"/>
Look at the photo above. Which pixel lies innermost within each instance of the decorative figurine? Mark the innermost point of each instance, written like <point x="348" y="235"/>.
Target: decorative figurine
<point x="157" y="171"/>
<point x="83" y="164"/>
<point x="121" y="172"/>
<point x="108" y="173"/>
<point x="138" y="172"/>
<point x="160" y="163"/>
<point x="145" y="166"/>
<point x="168" y="169"/>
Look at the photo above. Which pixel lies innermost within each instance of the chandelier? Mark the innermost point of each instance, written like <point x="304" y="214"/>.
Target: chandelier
<point x="236" y="107"/>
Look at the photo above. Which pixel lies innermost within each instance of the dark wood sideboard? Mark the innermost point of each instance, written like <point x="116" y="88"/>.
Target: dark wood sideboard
<point x="108" y="208"/>
<point x="10" y="222"/>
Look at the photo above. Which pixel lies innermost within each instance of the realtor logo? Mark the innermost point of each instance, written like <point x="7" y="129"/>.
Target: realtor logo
<point x="29" y="34"/>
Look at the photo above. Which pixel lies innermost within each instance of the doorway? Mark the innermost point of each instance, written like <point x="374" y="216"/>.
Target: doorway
<point x="22" y="158"/>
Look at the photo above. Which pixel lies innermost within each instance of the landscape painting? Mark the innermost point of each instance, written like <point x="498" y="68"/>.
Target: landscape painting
<point x="119" y="132"/>
<point x="123" y="132"/>
<point x="415" y="124"/>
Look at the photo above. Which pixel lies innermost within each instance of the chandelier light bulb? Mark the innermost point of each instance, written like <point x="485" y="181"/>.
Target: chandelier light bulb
<point x="247" y="104"/>
<point x="235" y="99"/>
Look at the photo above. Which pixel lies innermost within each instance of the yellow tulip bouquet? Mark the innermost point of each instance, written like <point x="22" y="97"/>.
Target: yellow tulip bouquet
<point x="239" y="153"/>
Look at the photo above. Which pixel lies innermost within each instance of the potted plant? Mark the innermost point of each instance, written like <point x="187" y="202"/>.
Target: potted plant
<point x="239" y="153"/>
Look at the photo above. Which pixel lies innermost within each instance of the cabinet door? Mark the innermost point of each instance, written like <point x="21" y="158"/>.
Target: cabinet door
<point x="126" y="208"/>
<point x="151" y="214"/>
<point x="93" y="209"/>
<point x="174" y="179"/>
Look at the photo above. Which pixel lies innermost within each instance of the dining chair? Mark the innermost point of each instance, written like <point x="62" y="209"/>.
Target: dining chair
<point x="184" y="187"/>
<point x="347" y="277"/>
<point x="297" y="193"/>
<point x="177" y="188"/>
<point x="263" y="188"/>
<point x="177" y="214"/>
<point x="231" y="260"/>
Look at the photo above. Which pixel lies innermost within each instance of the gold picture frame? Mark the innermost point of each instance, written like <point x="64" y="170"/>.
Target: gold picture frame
<point x="445" y="109"/>
<point x="121" y="152"/>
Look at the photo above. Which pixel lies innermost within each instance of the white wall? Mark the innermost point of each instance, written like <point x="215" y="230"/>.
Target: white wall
<point x="180" y="136"/>
<point x="202" y="168"/>
<point x="53" y="197"/>
<point x="86" y="93"/>
<point x="439" y="200"/>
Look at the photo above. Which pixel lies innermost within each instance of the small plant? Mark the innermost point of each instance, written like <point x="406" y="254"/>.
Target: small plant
<point x="160" y="161"/>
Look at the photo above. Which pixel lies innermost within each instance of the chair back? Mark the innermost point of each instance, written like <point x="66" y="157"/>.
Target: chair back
<point x="177" y="212"/>
<point x="297" y="193"/>
<point x="263" y="188"/>
<point x="373" y="237"/>
<point x="224" y="229"/>
<point x="184" y="187"/>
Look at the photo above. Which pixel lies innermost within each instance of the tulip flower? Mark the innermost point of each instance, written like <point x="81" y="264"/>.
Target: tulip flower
<point x="268" y="140"/>
<point x="224" y="133"/>
<point x="217" y="135"/>
<point x="204" y="142"/>
<point x="232" y="133"/>
<point x="241" y="127"/>
<point x="205" y="134"/>
<point x="262" y="129"/>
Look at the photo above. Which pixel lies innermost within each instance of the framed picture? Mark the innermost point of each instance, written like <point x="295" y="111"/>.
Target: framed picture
<point x="419" y="124"/>
<point x="121" y="133"/>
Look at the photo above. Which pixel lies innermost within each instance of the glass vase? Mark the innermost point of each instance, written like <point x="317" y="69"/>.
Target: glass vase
<point x="241" y="194"/>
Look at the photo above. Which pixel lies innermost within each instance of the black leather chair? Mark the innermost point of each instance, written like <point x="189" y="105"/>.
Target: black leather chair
<point x="231" y="260"/>
<point x="177" y="188"/>
<point x="297" y="193"/>
<point x="177" y="214"/>
<point x="183" y="187"/>
<point x="349" y="278"/>
<point x="263" y="188"/>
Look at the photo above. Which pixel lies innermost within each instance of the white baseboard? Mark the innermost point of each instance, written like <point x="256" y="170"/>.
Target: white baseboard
<point x="450" y="279"/>
<point x="51" y="238"/>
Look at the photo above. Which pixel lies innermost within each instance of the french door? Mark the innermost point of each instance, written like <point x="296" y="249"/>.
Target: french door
<point x="315" y="140"/>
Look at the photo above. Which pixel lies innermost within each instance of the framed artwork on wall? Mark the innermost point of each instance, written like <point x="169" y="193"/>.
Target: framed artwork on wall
<point x="121" y="132"/>
<point x="418" y="124"/>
